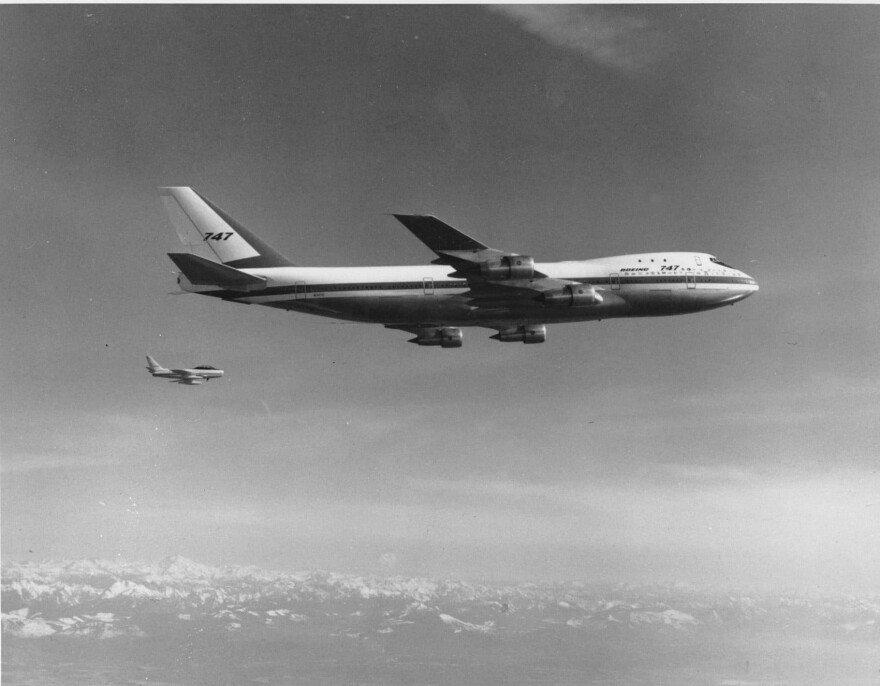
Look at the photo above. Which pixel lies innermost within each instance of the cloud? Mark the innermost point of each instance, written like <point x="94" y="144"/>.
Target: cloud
<point x="800" y="529"/>
<point x="26" y="462"/>
<point x="728" y="526"/>
<point x="707" y="473"/>
<point x="624" y="43"/>
<point x="84" y="441"/>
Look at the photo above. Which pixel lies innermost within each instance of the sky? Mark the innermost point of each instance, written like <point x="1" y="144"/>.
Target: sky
<point x="735" y="447"/>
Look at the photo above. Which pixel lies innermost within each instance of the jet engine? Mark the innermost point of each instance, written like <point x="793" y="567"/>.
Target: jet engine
<point x="447" y="337"/>
<point x="573" y="295"/>
<point x="522" y="334"/>
<point x="509" y="267"/>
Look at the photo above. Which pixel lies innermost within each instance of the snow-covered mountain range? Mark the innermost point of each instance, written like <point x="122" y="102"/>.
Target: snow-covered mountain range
<point x="105" y="599"/>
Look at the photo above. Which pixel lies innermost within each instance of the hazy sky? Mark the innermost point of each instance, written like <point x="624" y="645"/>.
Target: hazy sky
<point x="735" y="446"/>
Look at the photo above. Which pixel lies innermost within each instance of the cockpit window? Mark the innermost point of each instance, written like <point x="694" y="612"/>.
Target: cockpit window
<point x="717" y="261"/>
<point x="205" y="366"/>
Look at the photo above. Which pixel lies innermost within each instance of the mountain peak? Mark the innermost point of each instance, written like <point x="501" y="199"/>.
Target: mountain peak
<point x="182" y="567"/>
<point x="105" y="599"/>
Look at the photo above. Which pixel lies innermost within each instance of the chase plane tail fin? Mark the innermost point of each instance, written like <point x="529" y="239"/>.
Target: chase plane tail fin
<point x="153" y="366"/>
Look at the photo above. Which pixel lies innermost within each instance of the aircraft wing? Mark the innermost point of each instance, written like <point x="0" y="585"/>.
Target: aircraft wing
<point x="455" y="248"/>
<point x="187" y="374"/>
<point x="514" y="291"/>
<point x="497" y="279"/>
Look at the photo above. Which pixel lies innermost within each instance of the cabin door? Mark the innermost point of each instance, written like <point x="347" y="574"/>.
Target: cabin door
<point x="299" y="290"/>
<point x="690" y="280"/>
<point x="429" y="285"/>
<point x="615" y="281"/>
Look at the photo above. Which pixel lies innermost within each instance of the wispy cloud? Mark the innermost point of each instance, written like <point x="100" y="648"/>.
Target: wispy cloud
<point x="762" y="525"/>
<point x="86" y="440"/>
<point x="624" y="43"/>
<point x="26" y="462"/>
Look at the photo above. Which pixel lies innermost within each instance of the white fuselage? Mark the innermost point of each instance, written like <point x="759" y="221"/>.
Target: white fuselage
<point x="645" y="285"/>
<point x="187" y="373"/>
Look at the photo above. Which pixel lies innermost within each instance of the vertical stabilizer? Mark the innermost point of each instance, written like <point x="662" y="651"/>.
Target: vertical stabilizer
<point x="153" y="366"/>
<point x="200" y="222"/>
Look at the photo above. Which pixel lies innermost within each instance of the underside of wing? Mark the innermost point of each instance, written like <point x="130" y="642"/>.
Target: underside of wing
<point x="497" y="280"/>
<point x="512" y="290"/>
<point x="470" y="258"/>
<point x="438" y="235"/>
<point x="516" y="294"/>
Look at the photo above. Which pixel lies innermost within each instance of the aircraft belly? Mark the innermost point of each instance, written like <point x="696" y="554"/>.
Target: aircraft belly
<point x="388" y="308"/>
<point x="451" y="310"/>
<point x="658" y="302"/>
<point x="456" y="310"/>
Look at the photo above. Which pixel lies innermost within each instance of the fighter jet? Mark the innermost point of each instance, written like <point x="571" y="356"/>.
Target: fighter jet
<point x="190" y="377"/>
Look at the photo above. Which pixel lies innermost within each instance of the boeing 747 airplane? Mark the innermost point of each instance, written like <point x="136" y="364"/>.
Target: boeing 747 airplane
<point x="470" y="284"/>
<point x="188" y="377"/>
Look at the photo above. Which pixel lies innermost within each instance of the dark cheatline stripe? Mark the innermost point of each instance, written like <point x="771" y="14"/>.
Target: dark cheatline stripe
<point x="699" y="278"/>
<point x="419" y="285"/>
<point x="268" y="257"/>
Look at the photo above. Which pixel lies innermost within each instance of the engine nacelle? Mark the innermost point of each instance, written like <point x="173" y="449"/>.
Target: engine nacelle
<point x="523" y="334"/>
<point x="573" y="296"/>
<point x="447" y="337"/>
<point x="509" y="267"/>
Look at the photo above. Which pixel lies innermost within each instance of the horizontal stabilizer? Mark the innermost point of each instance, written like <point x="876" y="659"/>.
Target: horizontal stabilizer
<point x="437" y="235"/>
<point x="202" y="272"/>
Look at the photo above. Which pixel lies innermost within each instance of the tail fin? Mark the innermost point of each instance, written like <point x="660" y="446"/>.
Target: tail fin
<point x="198" y="221"/>
<point x="153" y="366"/>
